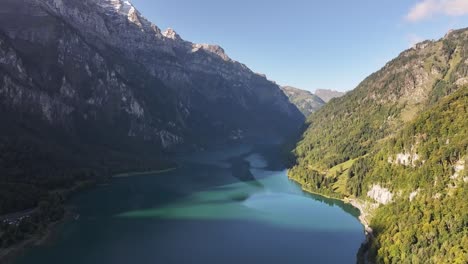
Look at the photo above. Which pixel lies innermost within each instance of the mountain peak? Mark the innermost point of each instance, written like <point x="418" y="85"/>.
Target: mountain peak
<point x="212" y="49"/>
<point x="118" y="5"/>
<point x="125" y="8"/>
<point x="171" y="34"/>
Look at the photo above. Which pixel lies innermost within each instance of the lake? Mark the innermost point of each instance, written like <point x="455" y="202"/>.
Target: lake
<point x="229" y="205"/>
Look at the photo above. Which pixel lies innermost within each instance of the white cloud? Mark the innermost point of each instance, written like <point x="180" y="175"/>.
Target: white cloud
<point x="457" y="8"/>
<point x="429" y="8"/>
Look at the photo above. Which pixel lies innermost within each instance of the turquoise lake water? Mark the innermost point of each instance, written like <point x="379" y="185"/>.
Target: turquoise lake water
<point x="231" y="205"/>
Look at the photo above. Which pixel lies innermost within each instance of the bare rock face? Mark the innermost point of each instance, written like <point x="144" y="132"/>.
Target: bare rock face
<point x="97" y="66"/>
<point x="380" y="194"/>
<point x="405" y="159"/>
<point x="171" y="34"/>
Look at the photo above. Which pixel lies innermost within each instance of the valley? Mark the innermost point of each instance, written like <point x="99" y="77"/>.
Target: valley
<point x="121" y="142"/>
<point x="203" y="212"/>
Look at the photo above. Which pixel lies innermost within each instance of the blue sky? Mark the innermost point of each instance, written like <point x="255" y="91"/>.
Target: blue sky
<point x="332" y="44"/>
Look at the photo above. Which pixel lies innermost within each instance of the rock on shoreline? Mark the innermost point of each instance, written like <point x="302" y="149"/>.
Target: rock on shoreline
<point x="364" y="208"/>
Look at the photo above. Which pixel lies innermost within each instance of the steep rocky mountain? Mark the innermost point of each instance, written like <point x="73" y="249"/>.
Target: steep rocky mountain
<point x="396" y="146"/>
<point x="305" y="101"/>
<point x="90" y="87"/>
<point x="326" y="95"/>
<point x="102" y="61"/>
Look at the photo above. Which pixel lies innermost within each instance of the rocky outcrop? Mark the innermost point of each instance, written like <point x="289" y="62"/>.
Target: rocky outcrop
<point x="405" y="159"/>
<point x="413" y="194"/>
<point x="380" y="194"/>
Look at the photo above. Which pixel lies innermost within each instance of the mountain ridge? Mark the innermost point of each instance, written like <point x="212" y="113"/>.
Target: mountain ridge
<point x="394" y="144"/>
<point x="117" y="28"/>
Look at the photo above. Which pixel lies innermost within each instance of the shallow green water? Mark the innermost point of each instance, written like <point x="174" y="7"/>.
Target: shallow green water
<point x="214" y="208"/>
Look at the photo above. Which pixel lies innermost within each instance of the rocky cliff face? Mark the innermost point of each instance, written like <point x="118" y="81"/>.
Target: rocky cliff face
<point x="89" y="88"/>
<point x="306" y="101"/>
<point x="93" y="68"/>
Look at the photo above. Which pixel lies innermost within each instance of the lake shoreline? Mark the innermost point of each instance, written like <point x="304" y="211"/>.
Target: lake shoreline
<point x="363" y="216"/>
<point x="50" y="237"/>
<point x="9" y="255"/>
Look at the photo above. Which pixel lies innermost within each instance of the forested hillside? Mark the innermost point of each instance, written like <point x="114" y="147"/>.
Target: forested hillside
<point x="397" y="145"/>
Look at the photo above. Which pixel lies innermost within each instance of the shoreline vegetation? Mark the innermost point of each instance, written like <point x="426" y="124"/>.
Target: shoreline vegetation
<point x="44" y="233"/>
<point x="10" y="254"/>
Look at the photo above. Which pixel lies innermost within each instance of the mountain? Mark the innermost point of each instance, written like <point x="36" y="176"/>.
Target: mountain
<point x="326" y="95"/>
<point x="89" y="88"/>
<point x="396" y="147"/>
<point x="103" y="60"/>
<point x="305" y="101"/>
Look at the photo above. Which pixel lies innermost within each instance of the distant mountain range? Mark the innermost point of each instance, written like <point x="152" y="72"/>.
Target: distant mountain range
<point x="306" y="101"/>
<point x="326" y="95"/>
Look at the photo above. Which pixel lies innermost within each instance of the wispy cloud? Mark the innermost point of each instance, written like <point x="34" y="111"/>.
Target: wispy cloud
<point x="430" y="8"/>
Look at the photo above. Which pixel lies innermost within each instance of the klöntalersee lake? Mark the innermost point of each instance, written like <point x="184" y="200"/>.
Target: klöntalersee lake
<point x="229" y="205"/>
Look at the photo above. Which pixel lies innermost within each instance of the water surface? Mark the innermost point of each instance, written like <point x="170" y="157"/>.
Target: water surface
<point x="231" y="205"/>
